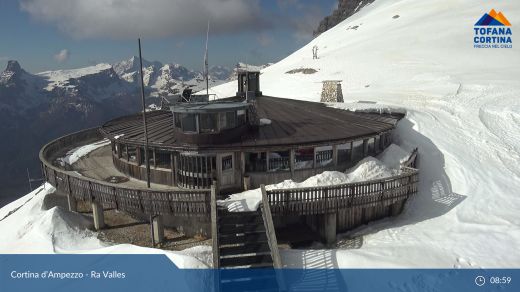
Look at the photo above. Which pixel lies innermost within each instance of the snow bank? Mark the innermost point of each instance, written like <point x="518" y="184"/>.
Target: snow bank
<point x="27" y="228"/>
<point x="369" y="168"/>
<point x="76" y="153"/>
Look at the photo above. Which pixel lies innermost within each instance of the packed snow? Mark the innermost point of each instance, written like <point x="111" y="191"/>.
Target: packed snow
<point x="463" y="112"/>
<point x="369" y="168"/>
<point x="75" y="154"/>
<point x="28" y="228"/>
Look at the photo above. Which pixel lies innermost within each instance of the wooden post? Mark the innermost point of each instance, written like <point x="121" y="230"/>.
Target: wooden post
<point x="97" y="214"/>
<point x="154" y="160"/>
<point x="175" y="169"/>
<point x="214" y="226"/>
<point x="158" y="229"/>
<point x="138" y="155"/>
<point x="267" y="160"/>
<point x="351" y="151"/>
<point x="365" y="148"/>
<point x="329" y="225"/>
<point x="271" y="234"/>
<point x="271" y="237"/>
<point x="172" y="168"/>
<point x="73" y="204"/>
<point x="335" y="155"/>
<point x="291" y="162"/>
<point x="314" y="158"/>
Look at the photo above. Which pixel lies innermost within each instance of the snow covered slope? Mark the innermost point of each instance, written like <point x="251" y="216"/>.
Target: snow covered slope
<point x="28" y="228"/>
<point x="463" y="113"/>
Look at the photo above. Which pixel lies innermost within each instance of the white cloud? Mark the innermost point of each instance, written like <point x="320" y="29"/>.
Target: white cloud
<point x="3" y="58"/>
<point x="128" y="19"/>
<point x="62" y="56"/>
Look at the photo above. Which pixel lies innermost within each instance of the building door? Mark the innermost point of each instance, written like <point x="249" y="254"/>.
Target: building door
<point x="227" y="165"/>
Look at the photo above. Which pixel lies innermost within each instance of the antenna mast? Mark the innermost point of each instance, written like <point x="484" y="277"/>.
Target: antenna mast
<point x="206" y="63"/>
<point x="147" y="161"/>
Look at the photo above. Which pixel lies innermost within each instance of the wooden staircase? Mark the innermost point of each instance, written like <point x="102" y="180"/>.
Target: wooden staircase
<point x="242" y="240"/>
<point x="245" y="240"/>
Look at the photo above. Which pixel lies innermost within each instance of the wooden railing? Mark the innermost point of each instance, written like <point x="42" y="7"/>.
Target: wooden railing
<point x="134" y="199"/>
<point x="297" y="201"/>
<point x="330" y="199"/>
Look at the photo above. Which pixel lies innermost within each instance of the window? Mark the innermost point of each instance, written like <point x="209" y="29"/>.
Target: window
<point x="177" y="120"/>
<point x="371" y="146"/>
<point x="256" y="161"/>
<point x="357" y="149"/>
<point x="279" y="160"/>
<point x="189" y="122"/>
<point x="323" y="156"/>
<point x="124" y="153"/>
<point x="304" y="158"/>
<point x="208" y="123"/>
<point x="227" y="162"/>
<point x="227" y="120"/>
<point x="344" y="153"/>
<point x="163" y="159"/>
<point x="132" y="154"/>
<point x="241" y="117"/>
<point x="378" y="144"/>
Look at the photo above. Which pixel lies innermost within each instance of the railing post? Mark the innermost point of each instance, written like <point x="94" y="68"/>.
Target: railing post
<point x="73" y="204"/>
<point x="271" y="233"/>
<point x="271" y="237"/>
<point x="214" y="226"/>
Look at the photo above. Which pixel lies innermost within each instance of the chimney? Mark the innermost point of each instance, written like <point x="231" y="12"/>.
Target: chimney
<point x="331" y="91"/>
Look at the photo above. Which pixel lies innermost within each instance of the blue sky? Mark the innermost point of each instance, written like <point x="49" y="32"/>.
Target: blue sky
<point x="34" y="32"/>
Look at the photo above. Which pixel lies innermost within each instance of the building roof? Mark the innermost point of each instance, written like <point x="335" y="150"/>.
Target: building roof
<point x="292" y="122"/>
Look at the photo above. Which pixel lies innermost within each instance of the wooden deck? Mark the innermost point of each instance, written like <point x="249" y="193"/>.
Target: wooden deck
<point x="293" y="122"/>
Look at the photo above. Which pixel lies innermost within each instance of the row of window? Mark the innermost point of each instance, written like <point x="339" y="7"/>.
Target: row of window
<point x="209" y="122"/>
<point x="260" y="161"/>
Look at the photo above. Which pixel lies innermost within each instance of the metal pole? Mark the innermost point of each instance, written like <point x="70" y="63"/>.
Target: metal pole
<point x="206" y="63"/>
<point x="144" y="118"/>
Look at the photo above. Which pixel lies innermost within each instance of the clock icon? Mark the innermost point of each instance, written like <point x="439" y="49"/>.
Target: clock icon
<point x="480" y="281"/>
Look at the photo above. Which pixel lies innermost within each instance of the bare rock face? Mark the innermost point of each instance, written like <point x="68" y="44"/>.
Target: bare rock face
<point x="346" y="8"/>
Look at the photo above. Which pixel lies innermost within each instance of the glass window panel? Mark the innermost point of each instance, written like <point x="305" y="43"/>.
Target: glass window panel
<point x="208" y="123"/>
<point x="304" y="158"/>
<point x="189" y="123"/>
<point x="227" y="162"/>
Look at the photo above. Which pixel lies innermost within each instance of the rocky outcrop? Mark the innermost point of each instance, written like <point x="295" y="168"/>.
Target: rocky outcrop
<point x="346" y="8"/>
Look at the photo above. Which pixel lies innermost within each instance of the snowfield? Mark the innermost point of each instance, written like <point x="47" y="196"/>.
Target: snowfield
<point x="463" y="112"/>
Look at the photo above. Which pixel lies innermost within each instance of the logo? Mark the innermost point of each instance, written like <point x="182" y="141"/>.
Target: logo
<point x="493" y="30"/>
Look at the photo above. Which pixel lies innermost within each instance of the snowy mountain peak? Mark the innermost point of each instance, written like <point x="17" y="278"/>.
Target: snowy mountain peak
<point x="131" y="65"/>
<point x="13" y="66"/>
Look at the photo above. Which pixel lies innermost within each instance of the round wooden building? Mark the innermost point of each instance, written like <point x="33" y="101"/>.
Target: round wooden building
<point x="243" y="143"/>
<point x="199" y="149"/>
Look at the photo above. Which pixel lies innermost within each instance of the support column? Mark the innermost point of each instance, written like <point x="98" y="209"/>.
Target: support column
<point x="97" y="214"/>
<point x="267" y="160"/>
<point x="158" y="229"/>
<point x="329" y="226"/>
<point x="175" y="168"/>
<point x="154" y="160"/>
<point x="365" y="148"/>
<point x="138" y="156"/>
<point x="351" y="151"/>
<point x="73" y="204"/>
<point x="335" y="155"/>
<point x="291" y="162"/>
